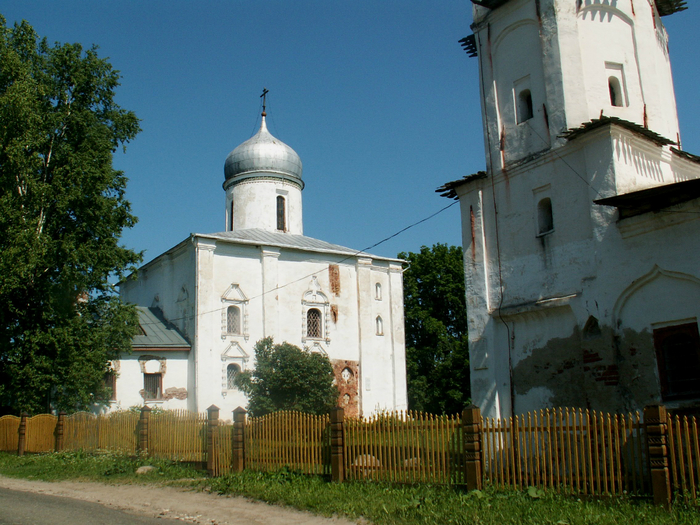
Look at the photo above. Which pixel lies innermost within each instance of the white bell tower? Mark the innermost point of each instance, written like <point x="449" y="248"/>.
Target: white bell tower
<point x="551" y="65"/>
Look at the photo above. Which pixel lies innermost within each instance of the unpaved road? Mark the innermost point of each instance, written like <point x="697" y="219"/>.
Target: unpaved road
<point x="172" y="503"/>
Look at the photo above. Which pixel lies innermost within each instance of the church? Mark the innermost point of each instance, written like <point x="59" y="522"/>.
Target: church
<point x="582" y="236"/>
<point x="205" y="303"/>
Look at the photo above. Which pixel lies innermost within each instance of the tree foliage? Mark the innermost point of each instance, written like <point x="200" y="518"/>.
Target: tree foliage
<point x="288" y="378"/>
<point x="62" y="211"/>
<point x="437" y="353"/>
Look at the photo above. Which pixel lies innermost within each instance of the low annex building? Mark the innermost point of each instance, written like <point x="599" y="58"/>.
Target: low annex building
<point x="582" y="237"/>
<point x="205" y="303"/>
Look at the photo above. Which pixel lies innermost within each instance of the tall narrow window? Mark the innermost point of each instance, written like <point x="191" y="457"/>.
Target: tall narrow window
<point x="378" y="291"/>
<point x="678" y="359"/>
<point x="230" y="226"/>
<point x="524" y="106"/>
<point x="545" y="220"/>
<point x="313" y="323"/>
<point x="111" y="384"/>
<point x="153" y="386"/>
<point x="281" y="214"/>
<point x="615" y="92"/>
<point x="380" y="325"/>
<point x="233" y="320"/>
<point x="232" y="371"/>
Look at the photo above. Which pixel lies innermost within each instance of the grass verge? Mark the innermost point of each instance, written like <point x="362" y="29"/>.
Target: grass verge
<point x="377" y="503"/>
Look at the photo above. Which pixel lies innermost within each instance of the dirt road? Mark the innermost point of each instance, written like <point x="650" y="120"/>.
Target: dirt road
<point x="174" y="503"/>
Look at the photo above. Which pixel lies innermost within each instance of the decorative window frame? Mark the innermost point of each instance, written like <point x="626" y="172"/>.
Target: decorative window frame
<point x="234" y="354"/>
<point x="234" y="296"/>
<point x="315" y="298"/>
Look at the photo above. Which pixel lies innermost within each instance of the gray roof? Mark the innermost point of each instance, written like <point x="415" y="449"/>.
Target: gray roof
<point x="255" y="236"/>
<point x="158" y="333"/>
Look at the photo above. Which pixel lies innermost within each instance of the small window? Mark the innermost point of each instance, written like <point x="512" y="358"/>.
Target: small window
<point x="281" y="214"/>
<point x="524" y="106"/>
<point x="615" y="92"/>
<point x="232" y="371"/>
<point x="378" y="291"/>
<point x="380" y="325"/>
<point x="233" y="320"/>
<point x="545" y="220"/>
<point x="678" y="359"/>
<point x="313" y="323"/>
<point x="231" y="218"/>
<point x="153" y="386"/>
<point x="111" y="385"/>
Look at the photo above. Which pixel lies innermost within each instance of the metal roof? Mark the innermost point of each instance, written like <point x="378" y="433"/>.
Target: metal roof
<point x="158" y="333"/>
<point x="653" y="199"/>
<point x="604" y="121"/>
<point x="255" y="236"/>
<point x="449" y="189"/>
<point x="263" y="154"/>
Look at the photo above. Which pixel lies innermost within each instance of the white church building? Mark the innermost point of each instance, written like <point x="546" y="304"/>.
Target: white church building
<point x="582" y="237"/>
<point x="205" y="303"/>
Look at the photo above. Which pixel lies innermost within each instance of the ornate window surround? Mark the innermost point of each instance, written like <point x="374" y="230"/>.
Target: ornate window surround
<point x="236" y="355"/>
<point x="234" y="296"/>
<point x="315" y="298"/>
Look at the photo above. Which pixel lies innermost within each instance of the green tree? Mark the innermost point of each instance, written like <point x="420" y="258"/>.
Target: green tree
<point x="288" y="378"/>
<point x="437" y="353"/>
<point x="62" y="211"/>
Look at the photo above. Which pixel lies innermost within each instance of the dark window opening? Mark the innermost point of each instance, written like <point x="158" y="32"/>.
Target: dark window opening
<point x="281" y="214"/>
<point x="678" y="358"/>
<point x="233" y="320"/>
<point x="524" y="106"/>
<point x="615" y="92"/>
<point x="153" y="386"/>
<point x="230" y="226"/>
<point x="231" y="373"/>
<point x="313" y="323"/>
<point x="111" y="385"/>
<point x="545" y="220"/>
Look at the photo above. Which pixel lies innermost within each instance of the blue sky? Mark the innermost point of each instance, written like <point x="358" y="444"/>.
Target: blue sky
<point x="377" y="98"/>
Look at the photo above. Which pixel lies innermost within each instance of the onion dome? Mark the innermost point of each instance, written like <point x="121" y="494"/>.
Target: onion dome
<point x="263" y="155"/>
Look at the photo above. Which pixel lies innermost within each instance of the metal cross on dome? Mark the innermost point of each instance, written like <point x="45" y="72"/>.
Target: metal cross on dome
<point x="264" y="97"/>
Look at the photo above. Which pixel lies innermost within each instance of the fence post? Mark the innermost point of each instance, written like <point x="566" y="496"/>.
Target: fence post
<point x="656" y="429"/>
<point x="238" y="440"/>
<point x="143" y="429"/>
<point x="22" y="440"/>
<point x="337" y="445"/>
<point x="471" y="433"/>
<point x="212" y="423"/>
<point x="59" y="430"/>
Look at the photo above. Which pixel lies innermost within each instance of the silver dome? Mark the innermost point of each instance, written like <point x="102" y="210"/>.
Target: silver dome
<point x="263" y="155"/>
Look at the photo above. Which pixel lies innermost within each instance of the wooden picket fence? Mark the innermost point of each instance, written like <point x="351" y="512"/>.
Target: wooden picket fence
<point x="404" y="447"/>
<point x="571" y="450"/>
<point x="580" y="451"/>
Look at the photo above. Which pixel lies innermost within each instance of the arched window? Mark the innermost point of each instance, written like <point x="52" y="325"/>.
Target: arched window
<point x="545" y="221"/>
<point x="380" y="325"/>
<point x="313" y="323"/>
<point x="230" y="227"/>
<point x="524" y="106"/>
<point x="378" y="291"/>
<point x="232" y="371"/>
<point x="281" y="214"/>
<point x="233" y="320"/>
<point x="615" y="92"/>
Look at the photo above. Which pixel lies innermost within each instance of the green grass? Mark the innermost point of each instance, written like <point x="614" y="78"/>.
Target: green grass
<point x="377" y="503"/>
<point x="102" y="466"/>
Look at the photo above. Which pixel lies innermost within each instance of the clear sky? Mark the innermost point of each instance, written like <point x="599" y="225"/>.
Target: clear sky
<point x="376" y="97"/>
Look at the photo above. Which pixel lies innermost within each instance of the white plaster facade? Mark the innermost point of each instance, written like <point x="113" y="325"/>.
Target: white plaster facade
<point x="270" y="277"/>
<point x="581" y="237"/>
